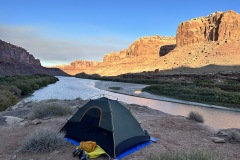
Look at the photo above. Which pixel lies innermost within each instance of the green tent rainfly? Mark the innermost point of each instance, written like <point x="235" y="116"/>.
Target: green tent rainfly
<point x="108" y="123"/>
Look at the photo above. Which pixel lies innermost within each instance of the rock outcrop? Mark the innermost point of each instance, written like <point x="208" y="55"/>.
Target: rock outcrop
<point x="114" y="57"/>
<point x="15" y="60"/>
<point x="219" y="26"/>
<point x="14" y="54"/>
<point x="148" y="46"/>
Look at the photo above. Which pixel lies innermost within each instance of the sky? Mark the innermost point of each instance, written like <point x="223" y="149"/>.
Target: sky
<point x="62" y="31"/>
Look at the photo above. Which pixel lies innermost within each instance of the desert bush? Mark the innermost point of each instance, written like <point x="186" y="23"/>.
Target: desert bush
<point x="195" y="155"/>
<point x="195" y="116"/>
<point x="42" y="110"/>
<point x="43" y="140"/>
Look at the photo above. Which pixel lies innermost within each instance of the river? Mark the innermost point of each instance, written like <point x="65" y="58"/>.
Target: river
<point x="72" y="88"/>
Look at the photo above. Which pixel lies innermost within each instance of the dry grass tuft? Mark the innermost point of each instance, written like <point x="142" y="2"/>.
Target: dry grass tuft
<point x="43" y="140"/>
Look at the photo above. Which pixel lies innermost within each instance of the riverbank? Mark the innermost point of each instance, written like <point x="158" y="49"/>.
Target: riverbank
<point x="13" y="88"/>
<point x="136" y="90"/>
<point x="217" y="89"/>
<point x="175" y="133"/>
<point x="71" y="88"/>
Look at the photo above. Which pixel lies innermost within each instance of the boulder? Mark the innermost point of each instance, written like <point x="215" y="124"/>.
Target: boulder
<point x="13" y="120"/>
<point x="36" y="122"/>
<point x="218" y="140"/>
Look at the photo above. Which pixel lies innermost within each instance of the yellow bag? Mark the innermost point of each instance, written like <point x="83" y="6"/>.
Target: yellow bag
<point x="96" y="153"/>
<point x="88" y="146"/>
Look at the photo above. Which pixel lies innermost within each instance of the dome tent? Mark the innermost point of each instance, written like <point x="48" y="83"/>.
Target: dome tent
<point x="107" y="122"/>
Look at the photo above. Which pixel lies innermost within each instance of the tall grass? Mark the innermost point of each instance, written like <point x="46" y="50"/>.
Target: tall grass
<point x="43" y="140"/>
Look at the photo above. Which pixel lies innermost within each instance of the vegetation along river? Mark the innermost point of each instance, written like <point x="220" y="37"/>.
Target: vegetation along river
<point x="72" y="88"/>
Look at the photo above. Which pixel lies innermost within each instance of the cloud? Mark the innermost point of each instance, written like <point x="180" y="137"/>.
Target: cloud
<point x="54" y="51"/>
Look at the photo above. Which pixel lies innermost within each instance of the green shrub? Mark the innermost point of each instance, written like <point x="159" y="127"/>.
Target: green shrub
<point x="43" y="140"/>
<point x="195" y="116"/>
<point x="196" y="88"/>
<point x="7" y="99"/>
<point x="13" y="88"/>
<point x="16" y="91"/>
<point x="194" y="93"/>
<point x="195" y="155"/>
<point x="34" y="85"/>
<point x="42" y="110"/>
<point x="25" y="88"/>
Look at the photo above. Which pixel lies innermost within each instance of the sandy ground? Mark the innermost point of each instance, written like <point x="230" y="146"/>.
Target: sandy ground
<point x="175" y="134"/>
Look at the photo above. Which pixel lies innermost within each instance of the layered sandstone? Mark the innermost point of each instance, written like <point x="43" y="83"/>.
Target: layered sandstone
<point x="204" y="41"/>
<point x="148" y="46"/>
<point x="79" y="66"/>
<point x="219" y="26"/>
<point x="131" y="59"/>
<point x="15" y="60"/>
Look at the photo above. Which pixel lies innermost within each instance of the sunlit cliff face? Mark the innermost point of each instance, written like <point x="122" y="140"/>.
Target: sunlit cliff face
<point x="213" y="39"/>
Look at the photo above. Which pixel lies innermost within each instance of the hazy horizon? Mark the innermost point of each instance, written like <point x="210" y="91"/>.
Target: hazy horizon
<point x="59" y="32"/>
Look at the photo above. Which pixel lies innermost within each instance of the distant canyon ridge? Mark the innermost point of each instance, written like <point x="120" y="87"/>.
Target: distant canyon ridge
<point x="15" y="60"/>
<point x="199" y="42"/>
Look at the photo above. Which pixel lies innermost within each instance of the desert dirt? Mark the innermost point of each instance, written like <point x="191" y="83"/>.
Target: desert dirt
<point x="175" y="134"/>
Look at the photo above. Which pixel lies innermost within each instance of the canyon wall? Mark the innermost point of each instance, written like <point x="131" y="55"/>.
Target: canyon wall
<point x="219" y="26"/>
<point x="140" y="52"/>
<point x="203" y="41"/>
<point x="15" y="60"/>
<point x="14" y="54"/>
<point x="79" y="66"/>
<point x="148" y="46"/>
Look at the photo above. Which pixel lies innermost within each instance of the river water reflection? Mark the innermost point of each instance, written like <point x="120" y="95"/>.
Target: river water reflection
<point x="72" y="88"/>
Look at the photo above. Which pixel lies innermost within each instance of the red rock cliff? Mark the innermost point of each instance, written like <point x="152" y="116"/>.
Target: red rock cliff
<point x="214" y="39"/>
<point x="15" y="60"/>
<point x="79" y="66"/>
<point x="148" y="46"/>
<point x="15" y="54"/>
<point x="215" y="27"/>
<point x="142" y="50"/>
